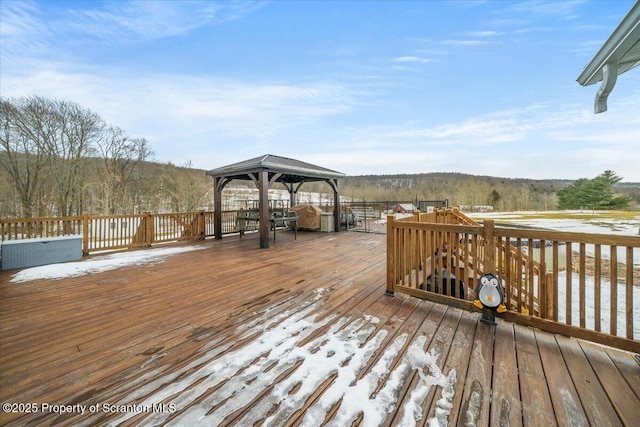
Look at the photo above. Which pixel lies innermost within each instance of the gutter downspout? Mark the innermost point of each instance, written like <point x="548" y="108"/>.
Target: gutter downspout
<point x="609" y="78"/>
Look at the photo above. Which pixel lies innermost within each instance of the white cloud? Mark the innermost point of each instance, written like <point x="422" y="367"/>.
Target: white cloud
<point x="159" y="105"/>
<point x="412" y="59"/>
<point x="565" y="10"/>
<point x="542" y="140"/>
<point x="488" y="33"/>
<point x="467" y="42"/>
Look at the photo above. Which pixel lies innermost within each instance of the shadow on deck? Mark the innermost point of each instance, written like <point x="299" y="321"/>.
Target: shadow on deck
<point x="301" y="333"/>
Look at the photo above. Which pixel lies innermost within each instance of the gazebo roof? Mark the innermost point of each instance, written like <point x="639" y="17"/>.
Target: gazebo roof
<point x="619" y="53"/>
<point x="291" y="170"/>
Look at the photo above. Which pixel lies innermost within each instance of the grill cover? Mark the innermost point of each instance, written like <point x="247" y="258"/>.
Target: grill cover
<point x="308" y="216"/>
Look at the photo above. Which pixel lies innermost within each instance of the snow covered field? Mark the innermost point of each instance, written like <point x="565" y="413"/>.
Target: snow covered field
<point x="605" y="291"/>
<point x="599" y="222"/>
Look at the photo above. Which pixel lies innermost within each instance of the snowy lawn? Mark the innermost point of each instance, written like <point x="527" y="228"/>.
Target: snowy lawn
<point x="597" y="222"/>
<point x="605" y="301"/>
<point x="602" y="222"/>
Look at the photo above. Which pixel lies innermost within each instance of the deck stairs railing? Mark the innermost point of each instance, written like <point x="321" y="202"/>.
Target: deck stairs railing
<point x="577" y="284"/>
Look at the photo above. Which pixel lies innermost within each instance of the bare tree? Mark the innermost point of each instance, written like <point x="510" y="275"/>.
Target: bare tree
<point x="118" y="183"/>
<point x="523" y="197"/>
<point x="73" y="134"/>
<point x="26" y="124"/>
<point x="185" y="193"/>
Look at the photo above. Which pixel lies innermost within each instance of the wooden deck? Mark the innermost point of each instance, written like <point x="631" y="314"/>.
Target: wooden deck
<point x="299" y="334"/>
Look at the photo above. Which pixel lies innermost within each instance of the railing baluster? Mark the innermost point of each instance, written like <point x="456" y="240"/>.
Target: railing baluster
<point x="554" y="275"/>
<point x="629" y="292"/>
<point x="597" y="284"/>
<point x="613" y="278"/>
<point x="543" y="307"/>
<point x="582" y="285"/>
<point x="519" y="280"/>
<point x="510" y="294"/>
<point x="568" y="290"/>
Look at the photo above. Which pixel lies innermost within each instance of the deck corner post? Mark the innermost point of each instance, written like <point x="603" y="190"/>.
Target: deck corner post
<point x="200" y="229"/>
<point x="149" y="229"/>
<point x="85" y="234"/>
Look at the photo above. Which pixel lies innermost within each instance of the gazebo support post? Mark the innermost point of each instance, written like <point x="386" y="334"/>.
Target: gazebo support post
<point x="217" y="208"/>
<point x="263" y="194"/>
<point x="336" y="203"/>
<point x="293" y="192"/>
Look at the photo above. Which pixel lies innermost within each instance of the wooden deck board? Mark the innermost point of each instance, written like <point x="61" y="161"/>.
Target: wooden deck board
<point x="174" y="331"/>
<point x="564" y="396"/>
<point x="593" y="397"/>
<point x="537" y="409"/>
<point x="622" y="397"/>
<point x="506" y="407"/>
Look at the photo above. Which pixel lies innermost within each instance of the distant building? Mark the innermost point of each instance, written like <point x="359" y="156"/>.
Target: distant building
<point x="404" y="208"/>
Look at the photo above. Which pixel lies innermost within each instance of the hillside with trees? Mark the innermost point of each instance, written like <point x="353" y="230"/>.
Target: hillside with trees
<point x="502" y="194"/>
<point x="58" y="158"/>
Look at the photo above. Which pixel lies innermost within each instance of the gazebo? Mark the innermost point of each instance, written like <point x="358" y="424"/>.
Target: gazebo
<point x="265" y="171"/>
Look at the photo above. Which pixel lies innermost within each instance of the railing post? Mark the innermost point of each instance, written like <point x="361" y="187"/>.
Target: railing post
<point x="149" y="229"/>
<point x="200" y="226"/>
<point x="391" y="256"/>
<point x="85" y="234"/>
<point x="550" y="289"/>
<point x="489" y="246"/>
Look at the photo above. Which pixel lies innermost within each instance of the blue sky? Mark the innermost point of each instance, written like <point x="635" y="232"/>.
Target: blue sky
<point x="478" y="87"/>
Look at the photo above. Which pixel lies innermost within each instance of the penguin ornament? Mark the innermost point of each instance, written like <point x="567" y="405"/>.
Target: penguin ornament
<point x="490" y="298"/>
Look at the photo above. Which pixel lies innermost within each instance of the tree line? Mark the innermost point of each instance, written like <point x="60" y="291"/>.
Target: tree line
<point x="500" y="194"/>
<point x="58" y="158"/>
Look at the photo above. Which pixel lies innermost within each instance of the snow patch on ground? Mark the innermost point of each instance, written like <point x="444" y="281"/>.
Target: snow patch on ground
<point x="99" y="264"/>
<point x="605" y="304"/>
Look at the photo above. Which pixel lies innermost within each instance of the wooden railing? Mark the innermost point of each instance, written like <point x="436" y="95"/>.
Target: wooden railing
<point x="583" y="285"/>
<point x="111" y="232"/>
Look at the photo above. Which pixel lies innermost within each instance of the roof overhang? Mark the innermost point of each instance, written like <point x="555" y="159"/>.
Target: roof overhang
<point x="620" y="53"/>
